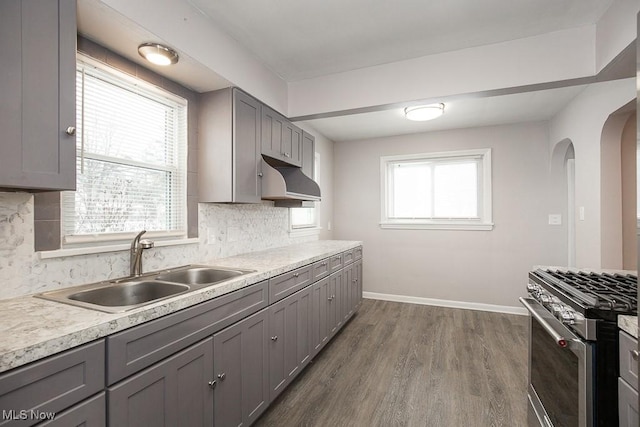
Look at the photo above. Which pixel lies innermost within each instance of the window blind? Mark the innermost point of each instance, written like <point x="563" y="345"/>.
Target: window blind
<point x="131" y="158"/>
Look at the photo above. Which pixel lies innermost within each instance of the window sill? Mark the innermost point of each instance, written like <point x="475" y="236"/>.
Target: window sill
<point x="60" y="253"/>
<point x="301" y="232"/>
<point x="440" y="226"/>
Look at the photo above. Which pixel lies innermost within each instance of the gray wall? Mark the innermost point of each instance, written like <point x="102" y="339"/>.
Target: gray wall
<point x="486" y="267"/>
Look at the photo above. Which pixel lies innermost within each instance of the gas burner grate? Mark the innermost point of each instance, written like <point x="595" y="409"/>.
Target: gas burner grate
<point x="609" y="291"/>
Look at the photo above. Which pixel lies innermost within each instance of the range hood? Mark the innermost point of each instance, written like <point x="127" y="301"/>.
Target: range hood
<point x="287" y="185"/>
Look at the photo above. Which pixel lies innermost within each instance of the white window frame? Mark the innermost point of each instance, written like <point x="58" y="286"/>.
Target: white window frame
<point x="311" y="228"/>
<point x="483" y="222"/>
<point x="98" y="243"/>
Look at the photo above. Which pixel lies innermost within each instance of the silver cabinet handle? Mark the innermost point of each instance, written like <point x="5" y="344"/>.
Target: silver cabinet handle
<point x="635" y="354"/>
<point x="287" y="155"/>
<point x="296" y="274"/>
<point x="274" y="338"/>
<point x="355" y="280"/>
<point x="222" y="376"/>
<point x="71" y="130"/>
<point x="260" y="174"/>
<point x="212" y="384"/>
<point x="330" y="298"/>
<point x="323" y="264"/>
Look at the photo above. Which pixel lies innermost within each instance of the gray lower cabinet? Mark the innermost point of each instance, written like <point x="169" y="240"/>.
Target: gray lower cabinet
<point x="290" y="348"/>
<point x="51" y="385"/>
<point x="334" y="318"/>
<point x="319" y="302"/>
<point x="90" y="413"/>
<point x="170" y="393"/>
<point x="241" y="371"/>
<point x="37" y="94"/>
<point x="229" y="147"/>
<point x="357" y="289"/>
<point x="628" y="407"/>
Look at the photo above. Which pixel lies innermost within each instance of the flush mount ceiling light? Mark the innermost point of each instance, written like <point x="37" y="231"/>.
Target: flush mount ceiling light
<point x="158" y="54"/>
<point x="423" y="113"/>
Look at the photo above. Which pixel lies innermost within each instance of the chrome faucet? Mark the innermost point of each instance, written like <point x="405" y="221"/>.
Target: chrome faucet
<point x="135" y="253"/>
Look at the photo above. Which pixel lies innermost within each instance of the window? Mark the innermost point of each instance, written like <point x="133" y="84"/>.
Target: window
<point x="131" y="159"/>
<point x="307" y="218"/>
<point x="449" y="190"/>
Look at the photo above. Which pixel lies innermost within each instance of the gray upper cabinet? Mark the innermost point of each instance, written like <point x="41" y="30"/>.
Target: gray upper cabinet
<point x="173" y="392"/>
<point x="229" y="167"/>
<point x="308" y="154"/>
<point x="37" y="94"/>
<point x="241" y="371"/>
<point x="281" y="139"/>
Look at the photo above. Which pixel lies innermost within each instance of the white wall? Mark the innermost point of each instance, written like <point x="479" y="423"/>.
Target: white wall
<point x="487" y="267"/>
<point x="582" y="121"/>
<point x="629" y="194"/>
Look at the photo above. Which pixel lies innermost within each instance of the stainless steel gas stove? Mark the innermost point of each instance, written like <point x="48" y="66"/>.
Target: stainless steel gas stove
<point x="573" y="344"/>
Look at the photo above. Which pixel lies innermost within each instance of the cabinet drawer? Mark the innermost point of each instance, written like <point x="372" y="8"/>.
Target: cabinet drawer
<point x="348" y="256"/>
<point x="52" y="384"/>
<point x="357" y="253"/>
<point x="288" y="283"/>
<point x="137" y="348"/>
<point x="335" y="263"/>
<point x="90" y="413"/>
<point x="320" y="269"/>
<point x="628" y="366"/>
<point x="627" y="405"/>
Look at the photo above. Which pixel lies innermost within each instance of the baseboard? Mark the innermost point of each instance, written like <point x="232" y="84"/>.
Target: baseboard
<point x="447" y="303"/>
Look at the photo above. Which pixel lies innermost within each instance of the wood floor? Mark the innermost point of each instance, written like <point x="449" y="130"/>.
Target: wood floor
<point x="400" y="364"/>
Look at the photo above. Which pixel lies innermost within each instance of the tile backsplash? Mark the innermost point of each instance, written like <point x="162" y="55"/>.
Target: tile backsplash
<point x="225" y="230"/>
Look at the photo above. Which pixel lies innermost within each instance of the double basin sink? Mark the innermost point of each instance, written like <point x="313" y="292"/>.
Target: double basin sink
<point x="132" y="292"/>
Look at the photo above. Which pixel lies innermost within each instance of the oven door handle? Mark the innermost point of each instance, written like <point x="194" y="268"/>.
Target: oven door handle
<point x="559" y="339"/>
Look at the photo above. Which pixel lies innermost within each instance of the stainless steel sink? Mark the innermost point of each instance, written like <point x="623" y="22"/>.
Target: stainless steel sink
<point x="200" y="275"/>
<point x="132" y="292"/>
<point x="129" y="293"/>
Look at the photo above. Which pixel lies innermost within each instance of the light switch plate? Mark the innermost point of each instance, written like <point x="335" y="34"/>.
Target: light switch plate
<point x="581" y="213"/>
<point x="555" y="219"/>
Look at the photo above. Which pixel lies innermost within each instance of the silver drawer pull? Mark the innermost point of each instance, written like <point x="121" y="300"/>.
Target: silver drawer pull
<point x="222" y="376"/>
<point x="296" y="274"/>
<point x="212" y="384"/>
<point x="323" y="264"/>
<point x="274" y="338"/>
<point x="635" y="354"/>
<point x="71" y="130"/>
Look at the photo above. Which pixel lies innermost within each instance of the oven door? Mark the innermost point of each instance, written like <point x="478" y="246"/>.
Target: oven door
<point x="560" y="371"/>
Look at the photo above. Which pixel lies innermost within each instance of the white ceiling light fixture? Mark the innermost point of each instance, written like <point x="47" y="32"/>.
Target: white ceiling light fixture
<point x="421" y="113"/>
<point x="158" y="54"/>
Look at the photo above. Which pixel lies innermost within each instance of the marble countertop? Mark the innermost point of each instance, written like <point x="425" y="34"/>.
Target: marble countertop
<point x="33" y="328"/>
<point x="629" y="324"/>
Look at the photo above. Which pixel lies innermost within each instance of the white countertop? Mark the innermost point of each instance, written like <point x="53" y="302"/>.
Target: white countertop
<point x="629" y="324"/>
<point x="33" y="328"/>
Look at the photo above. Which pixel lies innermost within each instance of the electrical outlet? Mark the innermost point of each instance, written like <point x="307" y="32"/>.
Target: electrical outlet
<point x="555" y="219"/>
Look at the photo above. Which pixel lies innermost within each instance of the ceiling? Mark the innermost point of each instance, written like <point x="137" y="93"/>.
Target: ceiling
<point x="459" y="113"/>
<point x="299" y="39"/>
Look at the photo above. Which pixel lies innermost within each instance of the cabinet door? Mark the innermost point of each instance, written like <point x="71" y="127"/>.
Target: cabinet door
<point x="357" y="297"/>
<point x="172" y="392"/>
<point x="89" y="413"/>
<point x="348" y="294"/>
<point x="627" y="405"/>
<point x="272" y="132"/>
<point x="308" y="154"/>
<point x="290" y="344"/>
<point x="319" y="331"/>
<point x="291" y="144"/>
<point x="241" y="368"/>
<point x="37" y="94"/>
<point x="247" y="187"/>
<point x="334" y="317"/>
